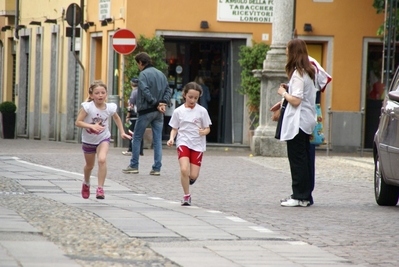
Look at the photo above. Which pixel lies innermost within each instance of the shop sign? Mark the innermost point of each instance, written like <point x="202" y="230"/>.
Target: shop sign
<point x="253" y="11"/>
<point x="104" y="9"/>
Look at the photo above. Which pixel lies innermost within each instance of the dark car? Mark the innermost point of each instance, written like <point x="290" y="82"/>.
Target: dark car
<point x="386" y="148"/>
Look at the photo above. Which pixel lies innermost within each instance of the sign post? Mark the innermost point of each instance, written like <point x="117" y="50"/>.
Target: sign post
<point x="124" y="43"/>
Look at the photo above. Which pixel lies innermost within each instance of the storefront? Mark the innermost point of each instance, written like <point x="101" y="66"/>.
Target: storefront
<point x="215" y="60"/>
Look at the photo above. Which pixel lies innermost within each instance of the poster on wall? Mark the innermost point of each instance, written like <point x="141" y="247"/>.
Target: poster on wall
<point x="253" y="11"/>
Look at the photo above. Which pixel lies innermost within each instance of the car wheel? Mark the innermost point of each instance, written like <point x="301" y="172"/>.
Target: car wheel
<point x="385" y="194"/>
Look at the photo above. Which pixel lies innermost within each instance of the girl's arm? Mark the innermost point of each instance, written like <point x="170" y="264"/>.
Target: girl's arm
<point x="81" y="124"/>
<point x="204" y="131"/>
<point x="118" y="123"/>
<point x="171" y="140"/>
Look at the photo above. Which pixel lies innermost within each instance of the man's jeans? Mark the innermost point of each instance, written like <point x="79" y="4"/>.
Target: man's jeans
<point x="154" y="118"/>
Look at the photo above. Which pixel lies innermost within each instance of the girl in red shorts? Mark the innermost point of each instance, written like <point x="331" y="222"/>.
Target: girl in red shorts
<point x="191" y="123"/>
<point x="94" y="118"/>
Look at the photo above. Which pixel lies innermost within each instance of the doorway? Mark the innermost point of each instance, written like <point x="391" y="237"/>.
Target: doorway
<point x="189" y="59"/>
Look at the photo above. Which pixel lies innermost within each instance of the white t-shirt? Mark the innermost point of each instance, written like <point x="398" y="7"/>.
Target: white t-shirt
<point x="188" y="121"/>
<point x="302" y="116"/>
<point x="95" y="115"/>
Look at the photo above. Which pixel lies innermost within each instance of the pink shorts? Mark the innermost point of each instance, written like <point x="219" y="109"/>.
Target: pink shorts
<point x="92" y="149"/>
<point x="194" y="156"/>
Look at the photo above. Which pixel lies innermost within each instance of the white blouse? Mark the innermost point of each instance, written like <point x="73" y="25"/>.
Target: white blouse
<point x="302" y="116"/>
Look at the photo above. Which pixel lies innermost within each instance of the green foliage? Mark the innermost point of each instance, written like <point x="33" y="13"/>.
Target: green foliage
<point x="155" y="48"/>
<point x="8" y="107"/>
<point x="379" y="5"/>
<point x="252" y="58"/>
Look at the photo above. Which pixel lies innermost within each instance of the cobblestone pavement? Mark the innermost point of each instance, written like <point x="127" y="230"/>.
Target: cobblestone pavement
<point x="345" y="219"/>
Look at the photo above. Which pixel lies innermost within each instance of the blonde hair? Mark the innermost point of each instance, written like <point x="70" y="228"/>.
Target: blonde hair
<point x="94" y="85"/>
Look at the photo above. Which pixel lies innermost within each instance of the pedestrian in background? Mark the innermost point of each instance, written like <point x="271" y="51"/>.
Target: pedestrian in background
<point x="152" y="97"/>
<point x="206" y="94"/>
<point x="94" y="117"/>
<point x="131" y="116"/>
<point x="299" y="121"/>
<point x="191" y="123"/>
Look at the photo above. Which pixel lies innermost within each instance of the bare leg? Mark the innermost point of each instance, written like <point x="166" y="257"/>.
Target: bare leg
<point x="194" y="171"/>
<point x="89" y="158"/>
<point x="184" y="173"/>
<point x="102" y="151"/>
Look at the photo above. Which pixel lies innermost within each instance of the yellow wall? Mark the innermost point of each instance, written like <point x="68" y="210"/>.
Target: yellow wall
<point x="348" y="22"/>
<point x="183" y="15"/>
<point x="340" y="19"/>
<point x="32" y="11"/>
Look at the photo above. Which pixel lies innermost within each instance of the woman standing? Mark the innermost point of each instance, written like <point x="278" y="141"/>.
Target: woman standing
<point x="299" y="121"/>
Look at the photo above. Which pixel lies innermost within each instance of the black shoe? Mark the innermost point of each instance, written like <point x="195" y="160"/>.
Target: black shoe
<point x="192" y="181"/>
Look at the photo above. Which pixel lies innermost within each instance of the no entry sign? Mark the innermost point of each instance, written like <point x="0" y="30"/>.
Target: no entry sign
<point x="124" y="41"/>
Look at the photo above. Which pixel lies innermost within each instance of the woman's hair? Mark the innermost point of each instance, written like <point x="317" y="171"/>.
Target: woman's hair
<point x="94" y="85"/>
<point x="192" y="86"/>
<point x="298" y="59"/>
<point x="144" y="58"/>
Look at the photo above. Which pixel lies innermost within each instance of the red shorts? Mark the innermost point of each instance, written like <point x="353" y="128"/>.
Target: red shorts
<point x="194" y="156"/>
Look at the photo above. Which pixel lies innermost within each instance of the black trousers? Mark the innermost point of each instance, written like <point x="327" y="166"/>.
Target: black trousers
<point x="298" y="150"/>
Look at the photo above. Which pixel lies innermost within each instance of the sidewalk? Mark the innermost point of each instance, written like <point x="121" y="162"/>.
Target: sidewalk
<point x="128" y="229"/>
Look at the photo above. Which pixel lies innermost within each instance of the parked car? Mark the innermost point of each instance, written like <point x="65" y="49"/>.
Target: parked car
<point x="386" y="148"/>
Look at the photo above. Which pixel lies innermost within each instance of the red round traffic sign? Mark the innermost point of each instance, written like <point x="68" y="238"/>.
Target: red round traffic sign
<point x="124" y="41"/>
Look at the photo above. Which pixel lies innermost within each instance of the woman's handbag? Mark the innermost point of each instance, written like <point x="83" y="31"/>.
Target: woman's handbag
<point x="280" y="119"/>
<point x="317" y="136"/>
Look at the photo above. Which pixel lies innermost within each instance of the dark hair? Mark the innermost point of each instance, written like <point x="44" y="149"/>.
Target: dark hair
<point x="298" y="59"/>
<point x="94" y="85"/>
<point x="134" y="80"/>
<point x="144" y="58"/>
<point x="192" y="86"/>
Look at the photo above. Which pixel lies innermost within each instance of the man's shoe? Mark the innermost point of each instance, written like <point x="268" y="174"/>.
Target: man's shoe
<point x="130" y="170"/>
<point x="127" y="153"/>
<point x="154" y="172"/>
<point x="295" y="203"/>
<point x="85" y="191"/>
<point x="186" y="201"/>
<point x="100" y="193"/>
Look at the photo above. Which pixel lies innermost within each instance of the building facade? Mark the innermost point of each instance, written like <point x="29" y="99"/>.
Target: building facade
<point x="46" y="69"/>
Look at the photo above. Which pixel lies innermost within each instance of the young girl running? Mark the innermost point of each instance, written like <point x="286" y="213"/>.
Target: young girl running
<point x="94" y="117"/>
<point x="191" y="123"/>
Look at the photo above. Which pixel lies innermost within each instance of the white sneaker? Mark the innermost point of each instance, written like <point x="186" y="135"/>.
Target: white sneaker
<point x="295" y="203"/>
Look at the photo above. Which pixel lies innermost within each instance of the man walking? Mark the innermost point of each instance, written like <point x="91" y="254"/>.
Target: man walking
<point x="152" y="96"/>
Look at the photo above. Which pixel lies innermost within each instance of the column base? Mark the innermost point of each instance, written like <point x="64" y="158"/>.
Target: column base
<point x="269" y="147"/>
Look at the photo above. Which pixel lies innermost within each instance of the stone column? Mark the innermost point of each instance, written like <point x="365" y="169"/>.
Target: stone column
<point x="273" y="73"/>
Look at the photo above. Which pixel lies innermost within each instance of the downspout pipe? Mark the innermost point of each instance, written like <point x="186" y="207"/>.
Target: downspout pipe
<point x="16" y="35"/>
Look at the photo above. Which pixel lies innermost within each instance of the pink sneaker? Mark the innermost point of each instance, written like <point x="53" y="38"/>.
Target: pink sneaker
<point x="100" y="193"/>
<point x="85" y="191"/>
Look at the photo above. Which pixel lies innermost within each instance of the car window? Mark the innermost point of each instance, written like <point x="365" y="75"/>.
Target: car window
<point x="396" y="86"/>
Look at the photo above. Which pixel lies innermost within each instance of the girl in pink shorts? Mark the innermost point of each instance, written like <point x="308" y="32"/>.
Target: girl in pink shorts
<point x="94" y="118"/>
